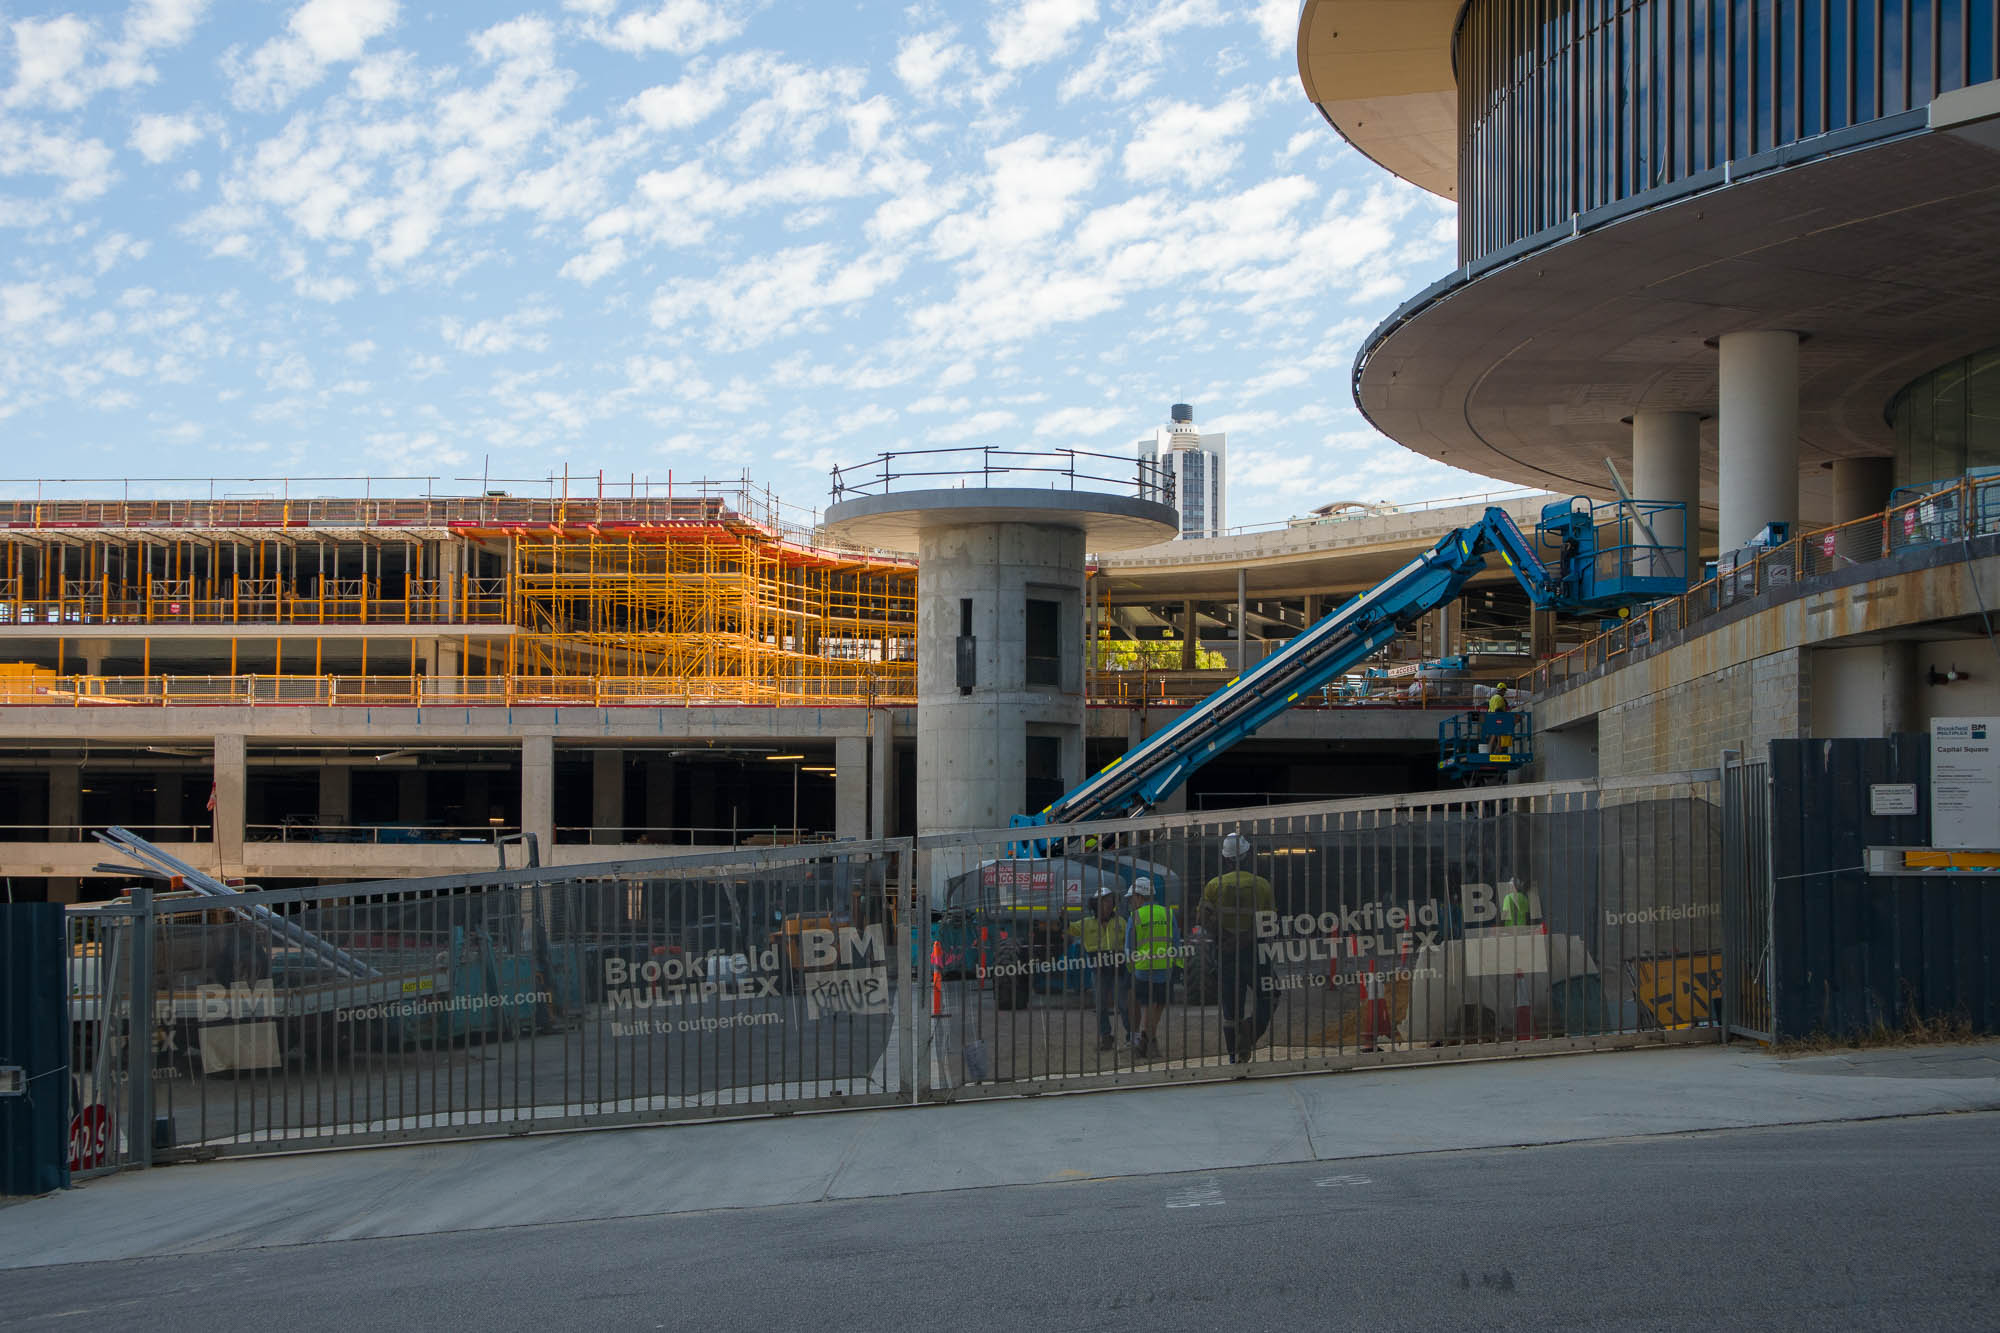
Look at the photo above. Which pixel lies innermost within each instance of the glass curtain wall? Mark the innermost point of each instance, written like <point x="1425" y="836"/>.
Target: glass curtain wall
<point x="1568" y="105"/>
<point x="1948" y="422"/>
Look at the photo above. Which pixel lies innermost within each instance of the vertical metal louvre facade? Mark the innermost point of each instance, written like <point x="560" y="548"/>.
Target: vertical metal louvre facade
<point x="1566" y="106"/>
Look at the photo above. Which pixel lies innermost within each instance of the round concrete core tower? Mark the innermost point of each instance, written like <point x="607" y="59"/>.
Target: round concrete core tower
<point x="999" y="628"/>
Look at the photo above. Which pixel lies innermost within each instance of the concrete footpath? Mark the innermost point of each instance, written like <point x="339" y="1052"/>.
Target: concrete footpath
<point x="444" y="1187"/>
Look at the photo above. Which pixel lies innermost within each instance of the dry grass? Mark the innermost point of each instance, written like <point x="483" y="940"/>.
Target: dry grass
<point x="1950" y="1030"/>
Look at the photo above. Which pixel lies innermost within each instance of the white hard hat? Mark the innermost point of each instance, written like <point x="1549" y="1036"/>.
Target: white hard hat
<point x="1142" y="886"/>
<point x="1104" y="891"/>
<point x="1235" y="847"/>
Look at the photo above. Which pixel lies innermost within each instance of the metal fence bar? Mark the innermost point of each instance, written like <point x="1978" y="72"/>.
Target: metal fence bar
<point x="1747" y="888"/>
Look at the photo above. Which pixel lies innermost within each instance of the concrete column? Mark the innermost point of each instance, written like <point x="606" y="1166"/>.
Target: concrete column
<point x="1541" y="635"/>
<point x="1757" y="434"/>
<point x="850" y="787"/>
<point x="1666" y="465"/>
<point x="659" y="798"/>
<point x="607" y="796"/>
<point x="538" y="789"/>
<point x="65" y="802"/>
<point x="1861" y="487"/>
<point x="412" y="805"/>
<point x="336" y="786"/>
<point x="701" y="808"/>
<point x="1190" y="637"/>
<point x="972" y="748"/>
<point x="231" y="783"/>
<point x="1242" y="623"/>
<point x="167" y="806"/>
<point x="882" y="769"/>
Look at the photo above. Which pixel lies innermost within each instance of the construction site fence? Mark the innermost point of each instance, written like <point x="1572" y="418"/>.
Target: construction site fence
<point x="1920" y="517"/>
<point x="1531" y="920"/>
<point x="637" y="992"/>
<point x="1522" y="920"/>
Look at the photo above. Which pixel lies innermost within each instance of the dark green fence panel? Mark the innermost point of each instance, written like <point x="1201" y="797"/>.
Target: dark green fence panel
<point x="34" y="1036"/>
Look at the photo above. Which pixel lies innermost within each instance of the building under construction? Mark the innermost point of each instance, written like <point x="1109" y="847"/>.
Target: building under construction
<point x="303" y="690"/>
<point x="654" y="600"/>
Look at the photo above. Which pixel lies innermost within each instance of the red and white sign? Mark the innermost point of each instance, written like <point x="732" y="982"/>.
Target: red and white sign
<point x="89" y="1137"/>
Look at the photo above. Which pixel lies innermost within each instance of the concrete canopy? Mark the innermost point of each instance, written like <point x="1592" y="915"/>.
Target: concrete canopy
<point x="1882" y="257"/>
<point x="1108" y="522"/>
<point x="1380" y="71"/>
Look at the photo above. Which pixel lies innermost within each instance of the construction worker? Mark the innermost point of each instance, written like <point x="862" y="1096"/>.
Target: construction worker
<point x="1101" y="935"/>
<point x="1499" y="727"/>
<point x="1230" y="904"/>
<point x="1149" y="943"/>
<point x="1515" y="908"/>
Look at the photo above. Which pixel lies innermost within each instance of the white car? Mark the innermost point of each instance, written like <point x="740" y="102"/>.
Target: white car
<point x="1471" y="988"/>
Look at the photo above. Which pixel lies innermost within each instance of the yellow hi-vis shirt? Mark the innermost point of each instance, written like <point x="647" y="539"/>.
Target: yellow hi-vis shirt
<point x="1099" y="936"/>
<point x="1237" y="896"/>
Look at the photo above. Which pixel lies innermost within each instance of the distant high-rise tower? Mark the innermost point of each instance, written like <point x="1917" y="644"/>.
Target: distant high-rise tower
<point x="1196" y="462"/>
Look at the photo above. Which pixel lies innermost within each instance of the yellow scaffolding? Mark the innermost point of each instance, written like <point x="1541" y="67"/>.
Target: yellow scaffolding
<point x="681" y="601"/>
<point x="727" y="612"/>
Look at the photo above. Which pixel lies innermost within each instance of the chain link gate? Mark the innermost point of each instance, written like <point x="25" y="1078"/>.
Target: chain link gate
<point x="1747" y="887"/>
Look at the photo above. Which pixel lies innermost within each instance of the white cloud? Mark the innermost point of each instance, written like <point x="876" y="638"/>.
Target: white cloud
<point x="1033" y="31"/>
<point x="1129" y="60"/>
<point x="83" y="165"/>
<point x="506" y="333"/>
<point x="678" y="26"/>
<point x="1198" y="144"/>
<point x="767" y="295"/>
<point x="158" y="138"/>
<point x="923" y="59"/>
<point x="982" y="424"/>
<point x="319" y="34"/>
<point x="1085" y="423"/>
<point x="1278" y="22"/>
<point x="23" y="303"/>
<point x="49" y="61"/>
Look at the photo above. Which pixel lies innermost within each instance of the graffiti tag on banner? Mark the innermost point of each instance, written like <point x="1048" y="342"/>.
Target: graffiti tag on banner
<point x="847" y="990"/>
<point x="1679" y="992"/>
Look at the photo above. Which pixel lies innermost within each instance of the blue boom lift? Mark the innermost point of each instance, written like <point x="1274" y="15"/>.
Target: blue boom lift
<point x="1586" y="558"/>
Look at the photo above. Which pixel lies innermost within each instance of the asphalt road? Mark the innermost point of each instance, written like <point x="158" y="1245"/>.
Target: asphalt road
<point x="1857" y="1225"/>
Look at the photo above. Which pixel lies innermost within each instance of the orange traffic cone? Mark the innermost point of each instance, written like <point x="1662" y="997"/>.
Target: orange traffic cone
<point x="937" y="979"/>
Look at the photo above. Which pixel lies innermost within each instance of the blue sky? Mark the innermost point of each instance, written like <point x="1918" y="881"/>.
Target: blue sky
<point x="268" y="239"/>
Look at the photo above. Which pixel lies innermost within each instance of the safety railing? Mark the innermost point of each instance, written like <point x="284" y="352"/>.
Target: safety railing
<point x="384" y="834"/>
<point x="893" y="688"/>
<point x="1558" y="916"/>
<point x="81" y="832"/>
<point x="287" y="609"/>
<point x="1183" y="689"/>
<point x="1951" y="511"/>
<point x="985" y="466"/>
<point x="693" y="835"/>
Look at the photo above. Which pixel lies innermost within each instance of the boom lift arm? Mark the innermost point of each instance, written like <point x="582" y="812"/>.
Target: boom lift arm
<point x="1140" y="779"/>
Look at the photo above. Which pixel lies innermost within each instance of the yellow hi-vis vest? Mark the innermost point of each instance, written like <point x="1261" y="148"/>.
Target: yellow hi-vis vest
<point x="1152" y="939"/>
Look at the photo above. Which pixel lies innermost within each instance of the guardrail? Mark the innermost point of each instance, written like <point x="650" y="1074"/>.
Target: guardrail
<point x="1948" y="512"/>
<point x="978" y="466"/>
<point x="892" y="688"/>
